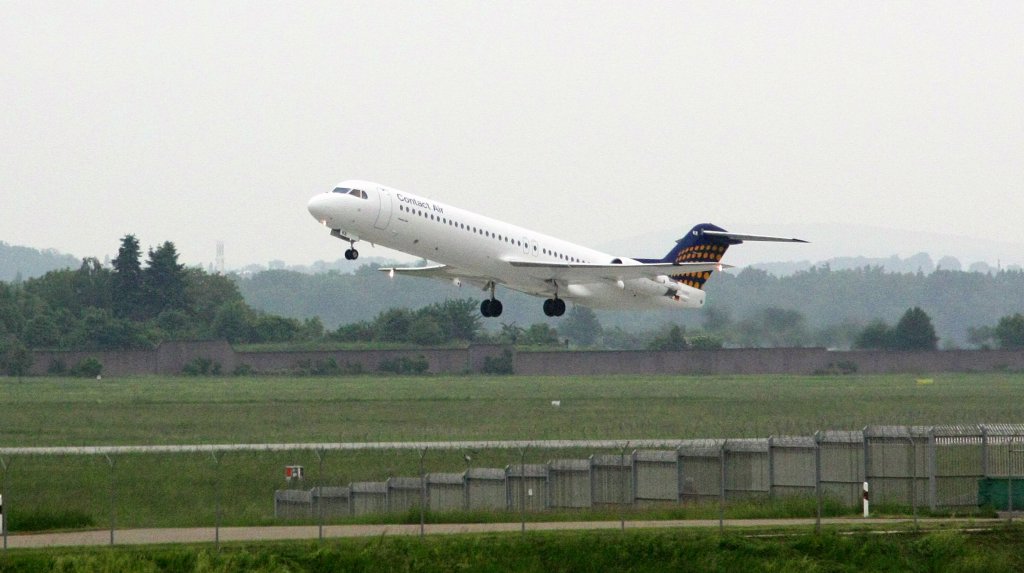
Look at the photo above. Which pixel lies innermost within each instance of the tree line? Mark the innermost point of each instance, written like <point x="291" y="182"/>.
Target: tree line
<point x="134" y="304"/>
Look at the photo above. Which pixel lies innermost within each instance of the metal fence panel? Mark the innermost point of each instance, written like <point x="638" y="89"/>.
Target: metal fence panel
<point x="369" y="497"/>
<point x="700" y="470"/>
<point x="486" y="489"/>
<point x="293" y="504"/>
<point x="746" y="469"/>
<point x="956" y="465"/>
<point x="446" y="491"/>
<point x="404" y="493"/>
<point x="792" y="466"/>
<point x="527" y="482"/>
<point x="612" y="476"/>
<point x="657" y="475"/>
<point x="569" y="483"/>
<point x="842" y="466"/>
<point x="331" y="502"/>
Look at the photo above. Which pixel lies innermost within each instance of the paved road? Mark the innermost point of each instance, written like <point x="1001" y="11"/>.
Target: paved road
<point x="207" y="534"/>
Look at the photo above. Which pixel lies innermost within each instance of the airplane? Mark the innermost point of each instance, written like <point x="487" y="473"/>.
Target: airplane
<point x="484" y="252"/>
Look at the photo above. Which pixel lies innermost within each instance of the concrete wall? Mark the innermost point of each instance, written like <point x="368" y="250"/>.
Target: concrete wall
<point x="171" y="357"/>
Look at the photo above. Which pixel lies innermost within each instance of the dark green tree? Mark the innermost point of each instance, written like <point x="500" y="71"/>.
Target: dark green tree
<point x="163" y="280"/>
<point x="457" y="319"/>
<point x="1010" y="331"/>
<point x="539" y="334"/>
<point x="233" y="322"/>
<point x="581" y="326"/>
<point x="671" y="340"/>
<point x="41" y="331"/>
<point x="914" y="331"/>
<point x="876" y="336"/>
<point x="15" y="357"/>
<point x="392" y="325"/>
<point x="127" y="282"/>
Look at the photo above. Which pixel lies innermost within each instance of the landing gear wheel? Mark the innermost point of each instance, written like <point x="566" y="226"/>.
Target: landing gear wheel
<point x="554" y="307"/>
<point x="351" y="254"/>
<point x="490" y="307"/>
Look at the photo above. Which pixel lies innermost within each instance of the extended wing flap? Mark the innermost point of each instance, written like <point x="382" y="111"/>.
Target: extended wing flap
<point x="443" y="272"/>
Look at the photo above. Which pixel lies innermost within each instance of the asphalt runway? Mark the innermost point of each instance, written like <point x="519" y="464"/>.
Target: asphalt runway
<point x="311" y="532"/>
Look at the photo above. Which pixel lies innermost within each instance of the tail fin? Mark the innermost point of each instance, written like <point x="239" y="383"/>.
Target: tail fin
<point x="707" y="243"/>
<point x="699" y="247"/>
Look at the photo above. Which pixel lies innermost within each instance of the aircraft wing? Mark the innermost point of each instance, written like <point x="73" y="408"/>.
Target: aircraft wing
<point x="444" y="272"/>
<point x="544" y="272"/>
<point x="589" y="273"/>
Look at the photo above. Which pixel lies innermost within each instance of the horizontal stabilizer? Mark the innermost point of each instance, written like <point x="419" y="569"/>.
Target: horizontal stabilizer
<point x="742" y="237"/>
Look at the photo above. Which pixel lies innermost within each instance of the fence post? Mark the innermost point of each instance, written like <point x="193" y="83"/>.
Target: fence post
<point x="913" y="477"/>
<point x="423" y="495"/>
<point x="320" y="453"/>
<point x="4" y="517"/>
<point x="984" y="450"/>
<point x="622" y="473"/>
<point x="721" y="488"/>
<point x="216" y="497"/>
<point x="113" y="499"/>
<point x="817" y="480"/>
<point x="522" y="489"/>
<point x="933" y="470"/>
<point x="771" y="468"/>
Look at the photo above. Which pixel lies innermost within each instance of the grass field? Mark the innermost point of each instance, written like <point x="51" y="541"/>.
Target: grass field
<point x="179" y="490"/>
<point x="989" y="552"/>
<point x="54" y="412"/>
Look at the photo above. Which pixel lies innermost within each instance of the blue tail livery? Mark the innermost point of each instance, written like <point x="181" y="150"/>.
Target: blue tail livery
<point x="707" y="243"/>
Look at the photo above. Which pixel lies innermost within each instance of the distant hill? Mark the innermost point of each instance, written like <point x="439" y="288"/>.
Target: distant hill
<point x="19" y="263"/>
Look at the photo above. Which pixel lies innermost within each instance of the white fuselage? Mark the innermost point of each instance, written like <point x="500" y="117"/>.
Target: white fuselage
<point x="480" y="247"/>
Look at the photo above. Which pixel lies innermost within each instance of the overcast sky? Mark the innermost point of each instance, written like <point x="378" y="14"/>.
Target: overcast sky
<point x="198" y="122"/>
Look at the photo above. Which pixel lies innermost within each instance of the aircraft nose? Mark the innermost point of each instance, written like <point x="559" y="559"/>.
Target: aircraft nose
<point x="318" y="207"/>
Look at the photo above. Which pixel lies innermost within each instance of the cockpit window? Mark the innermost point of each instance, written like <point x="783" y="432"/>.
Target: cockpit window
<point x="358" y="193"/>
<point x="342" y="190"/>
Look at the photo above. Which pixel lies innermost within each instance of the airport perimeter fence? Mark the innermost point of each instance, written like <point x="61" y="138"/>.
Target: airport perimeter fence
<point x="943" y="468"/>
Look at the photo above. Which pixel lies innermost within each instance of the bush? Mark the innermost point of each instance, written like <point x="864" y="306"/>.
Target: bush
<point x="499" y="364"/>
<point x="57" y="367"/>
<point x="87" y="368"/>
<point x="326" y="367"/>
<point x="243" y="369"/>
<point x="405" y="365"/>
<point x="201" y="367"/>
<point x="706" y="342"/>
<point x="47" y="521"/>
<point x="840" y="368"/>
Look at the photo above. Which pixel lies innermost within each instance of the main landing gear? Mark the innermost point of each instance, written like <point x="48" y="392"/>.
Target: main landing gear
<point x="491" y="307"/>
<point x="554" y="307"/>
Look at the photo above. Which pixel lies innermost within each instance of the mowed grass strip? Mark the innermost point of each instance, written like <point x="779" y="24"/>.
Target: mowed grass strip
<point x="640" y="551"/>
<point x="153" y="410"/>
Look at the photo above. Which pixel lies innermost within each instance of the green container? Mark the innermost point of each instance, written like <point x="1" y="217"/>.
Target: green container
<point x="996" y="493"/>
